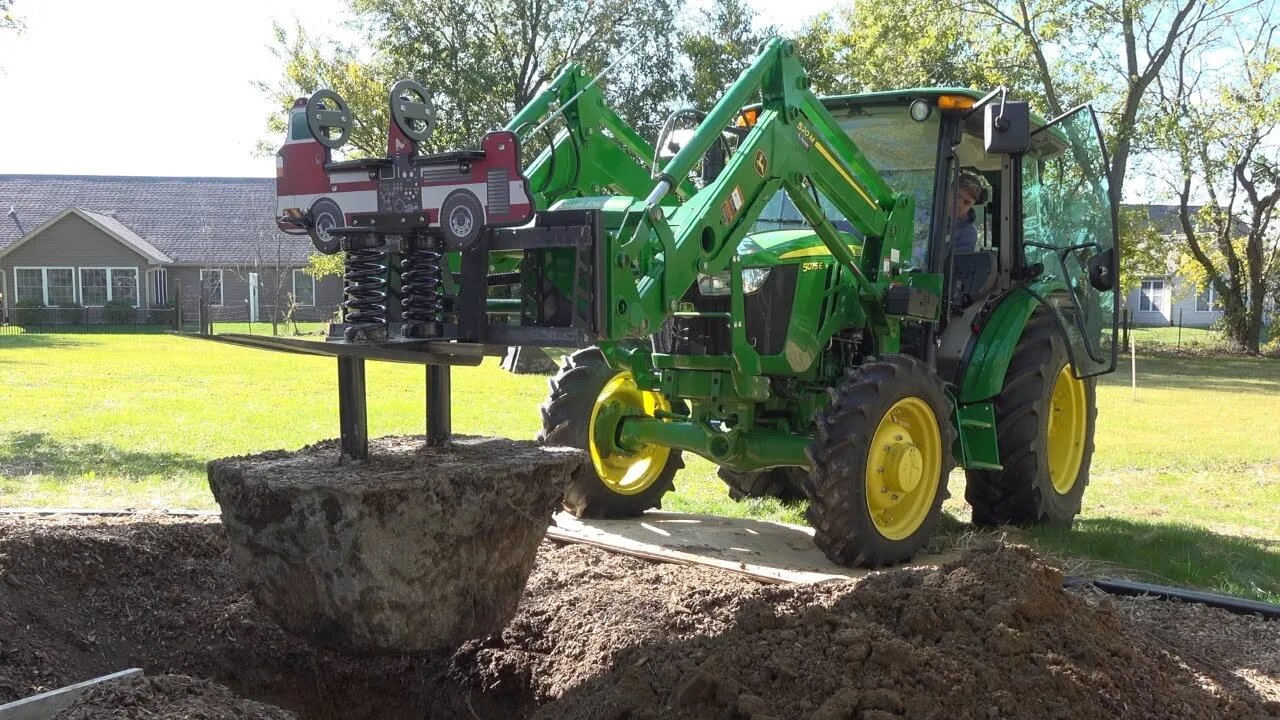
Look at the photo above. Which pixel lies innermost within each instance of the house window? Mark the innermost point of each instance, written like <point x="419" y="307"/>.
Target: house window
<point x="1151" y="298"/>
<point x="304" y="288"/>
<point x="159" y="287"/>
<point x="1207" y="300"/>
<point x="211" y="285"/>
<point x="94" y="288"/>
<point x="49" y="286"/>
<point x="99" y="286"/>
<point x="28" y="285"/>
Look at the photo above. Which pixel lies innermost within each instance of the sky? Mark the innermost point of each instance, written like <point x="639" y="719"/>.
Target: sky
<point x="157" y="88"/>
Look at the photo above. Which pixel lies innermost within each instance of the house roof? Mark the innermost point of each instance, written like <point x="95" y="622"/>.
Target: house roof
<point x="109" y="225"/>
<point x="185" y="220"/>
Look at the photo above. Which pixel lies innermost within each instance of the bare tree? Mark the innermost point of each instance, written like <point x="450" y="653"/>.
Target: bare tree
<point x="1110" y="52"/>
<point x="1221" y="128"/>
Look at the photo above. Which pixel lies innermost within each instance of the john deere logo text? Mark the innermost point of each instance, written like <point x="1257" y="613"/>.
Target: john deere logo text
<point x="762" y="163"/>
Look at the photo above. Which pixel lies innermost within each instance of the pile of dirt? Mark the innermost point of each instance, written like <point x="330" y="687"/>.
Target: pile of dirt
<point x="413" y="549"/>
<point x="606" y="636"/>
<point x="167" y="696"/>
<point x="992" y="635"/>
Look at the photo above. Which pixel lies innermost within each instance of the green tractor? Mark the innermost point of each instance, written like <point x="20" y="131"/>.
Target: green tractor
<point x="839" y="299"/>
<point x="826" y="340"/>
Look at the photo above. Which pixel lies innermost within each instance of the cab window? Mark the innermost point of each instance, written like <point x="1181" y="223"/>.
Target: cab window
<point x="298" y="129"/>
<point x="903" y="151"/>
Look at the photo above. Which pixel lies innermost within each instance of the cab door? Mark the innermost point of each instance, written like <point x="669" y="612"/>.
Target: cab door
<point x="1069" y="234"/>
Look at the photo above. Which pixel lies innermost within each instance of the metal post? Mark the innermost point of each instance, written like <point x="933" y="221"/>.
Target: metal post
<point x="352" y="415"/>
<point x="438" y="405"/>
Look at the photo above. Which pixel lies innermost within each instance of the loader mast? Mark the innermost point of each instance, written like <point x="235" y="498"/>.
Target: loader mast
<point x="678" y="232"/>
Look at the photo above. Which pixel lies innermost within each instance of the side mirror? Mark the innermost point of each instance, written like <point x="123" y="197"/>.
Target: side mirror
<point x="1007" y="127"/>
<point x="1100" y="275"/>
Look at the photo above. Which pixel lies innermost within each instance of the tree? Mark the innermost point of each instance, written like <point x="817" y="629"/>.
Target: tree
<point x="1221" y="123"/>
<point x="484" y="60"/>
<point x="9" y="19"/>
<point x="861" y="47"/>
<point x="1107" y="52"/>
<point x="717" y="45"/>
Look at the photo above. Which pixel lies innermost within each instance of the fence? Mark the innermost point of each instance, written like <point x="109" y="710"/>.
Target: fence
<point x="28" y="321"/>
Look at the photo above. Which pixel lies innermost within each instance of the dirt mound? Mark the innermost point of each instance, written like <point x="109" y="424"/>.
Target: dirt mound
<point x="606" y="636"/>
<point x="990" y="636"/>
<point x="167" y="696"/>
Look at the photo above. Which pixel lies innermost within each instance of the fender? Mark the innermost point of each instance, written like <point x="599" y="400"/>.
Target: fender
<point x="993" y="348"/>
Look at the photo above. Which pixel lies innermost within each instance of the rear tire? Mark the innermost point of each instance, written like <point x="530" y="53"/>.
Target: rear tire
<point x="784" y="483"/>
<point x="1039" y="435"/>
<point x="884" y="441"/>
<point x="326" y="215"/>
<point x="566" y="421"/>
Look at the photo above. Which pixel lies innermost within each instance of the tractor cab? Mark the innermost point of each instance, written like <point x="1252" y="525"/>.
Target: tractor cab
<point x="1043" y="220"/>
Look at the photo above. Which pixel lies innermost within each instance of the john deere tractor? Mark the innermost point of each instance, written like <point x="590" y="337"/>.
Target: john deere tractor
<point x="775" y="289"/>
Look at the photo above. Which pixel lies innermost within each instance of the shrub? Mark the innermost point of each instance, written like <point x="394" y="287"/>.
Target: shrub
<point x="118" y="312"/>
<point x="27" y="312"/>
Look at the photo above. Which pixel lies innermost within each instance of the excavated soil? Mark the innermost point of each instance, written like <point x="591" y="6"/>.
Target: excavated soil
<point x="605" y="636"/>
<point x="167" y="696"/>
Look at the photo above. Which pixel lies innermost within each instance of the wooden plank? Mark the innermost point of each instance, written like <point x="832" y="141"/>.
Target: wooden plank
<point x="46" y="705"/>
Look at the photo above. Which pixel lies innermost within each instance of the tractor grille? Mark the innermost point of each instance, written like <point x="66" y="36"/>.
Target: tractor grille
<point x="768" y="315"/>
<point x="769" y="310"/>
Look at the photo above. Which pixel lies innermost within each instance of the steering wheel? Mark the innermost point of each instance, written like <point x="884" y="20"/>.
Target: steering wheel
<point x="412" y="110"/>
<point x="321" y="119"/>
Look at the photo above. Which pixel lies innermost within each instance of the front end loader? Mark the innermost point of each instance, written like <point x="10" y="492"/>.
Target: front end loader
<point x="781" y="296"/>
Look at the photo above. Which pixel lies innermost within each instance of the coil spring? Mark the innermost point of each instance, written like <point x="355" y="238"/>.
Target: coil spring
<point x="422" y="292"/>
<point x="365" y="276"/>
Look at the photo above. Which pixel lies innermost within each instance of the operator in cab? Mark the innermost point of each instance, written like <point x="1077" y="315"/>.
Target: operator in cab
<point x="972" y="191"/>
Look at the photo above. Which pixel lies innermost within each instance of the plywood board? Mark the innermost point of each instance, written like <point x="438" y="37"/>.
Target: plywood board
<point x="768" y="551"/>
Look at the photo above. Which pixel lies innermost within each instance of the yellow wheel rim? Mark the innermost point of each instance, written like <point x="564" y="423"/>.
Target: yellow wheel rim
<point x="627" y="473"/>
<point x="903" y="468"/>
<point x="1068" y="416"/>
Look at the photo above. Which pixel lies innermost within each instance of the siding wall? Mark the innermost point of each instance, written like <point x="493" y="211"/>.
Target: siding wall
<point x="1179" y="301"/>
<point x="72" y="242"/>
<point x="235" y="294"/>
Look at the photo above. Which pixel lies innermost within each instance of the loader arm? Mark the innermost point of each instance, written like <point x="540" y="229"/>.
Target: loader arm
<point x="795" y="145"/>
<point x="595" y="153"/>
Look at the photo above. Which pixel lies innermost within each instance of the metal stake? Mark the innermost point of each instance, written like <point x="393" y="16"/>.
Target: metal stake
<point x="439" y="404"/>
<point x="352" y="415"/>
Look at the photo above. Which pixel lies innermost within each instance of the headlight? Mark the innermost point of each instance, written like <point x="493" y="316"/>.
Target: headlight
<point x="753" y="278"/>
<point x="717" y="284"/>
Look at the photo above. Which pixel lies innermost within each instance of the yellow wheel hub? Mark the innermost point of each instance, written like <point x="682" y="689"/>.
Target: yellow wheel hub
<point x="1068" y="417"/>
<point x="622" y="471"/>
<point x="903" y="468"/>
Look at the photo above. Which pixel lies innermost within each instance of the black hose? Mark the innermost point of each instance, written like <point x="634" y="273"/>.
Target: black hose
<point x="1240" y="606"/>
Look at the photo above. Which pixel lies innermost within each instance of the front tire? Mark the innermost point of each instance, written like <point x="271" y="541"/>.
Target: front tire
<point x="879" y="463"/>
<point x="1044" y="428"/>
<point x="611" y="485"/>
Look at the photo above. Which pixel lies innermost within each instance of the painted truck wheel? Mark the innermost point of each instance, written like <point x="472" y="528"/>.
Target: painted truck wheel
<point x="325" y="215"/>
<point x="461" y="218"/>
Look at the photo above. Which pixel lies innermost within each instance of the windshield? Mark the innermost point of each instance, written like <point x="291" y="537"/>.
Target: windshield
<point x="905" y="153"/>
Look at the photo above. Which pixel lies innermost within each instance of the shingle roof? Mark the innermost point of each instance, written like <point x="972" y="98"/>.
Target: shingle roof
<point x="223" y="221"/>
<point x="127" y="236"/>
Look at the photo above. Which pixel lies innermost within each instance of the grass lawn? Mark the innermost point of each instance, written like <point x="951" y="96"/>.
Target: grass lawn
<point x="1185" y="488"/>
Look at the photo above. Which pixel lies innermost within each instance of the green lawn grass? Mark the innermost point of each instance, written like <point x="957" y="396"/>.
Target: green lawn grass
<point x="1185" y="488"/>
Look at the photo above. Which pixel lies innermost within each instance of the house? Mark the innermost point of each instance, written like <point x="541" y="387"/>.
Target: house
<point x="1166" y="298"/>
<point x="86" y="241"/>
